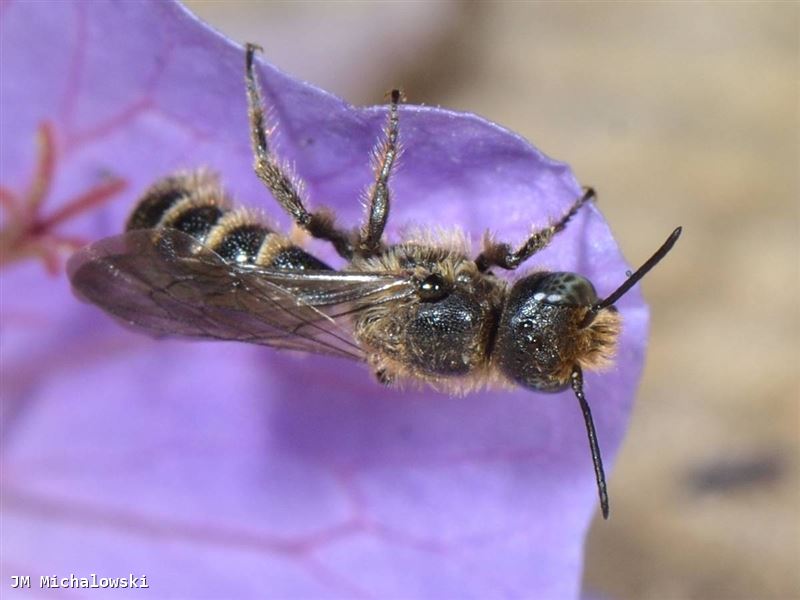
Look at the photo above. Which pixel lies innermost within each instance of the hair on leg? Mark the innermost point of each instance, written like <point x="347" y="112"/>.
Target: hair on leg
<point x="501" y="255"/>
<point x="286" y="190"/>
<point x="386" y="154"/>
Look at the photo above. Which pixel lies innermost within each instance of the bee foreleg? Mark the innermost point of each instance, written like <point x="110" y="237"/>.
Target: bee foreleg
<point x="501" y="255"/>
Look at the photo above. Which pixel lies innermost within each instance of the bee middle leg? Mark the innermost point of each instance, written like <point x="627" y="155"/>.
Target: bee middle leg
<point x="369" y="242"/>
<point x="278" y="180"/>
<point x="501" y="254"/>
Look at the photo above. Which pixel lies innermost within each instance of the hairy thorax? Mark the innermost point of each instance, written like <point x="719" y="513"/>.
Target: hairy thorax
<point x="442" y="335"/>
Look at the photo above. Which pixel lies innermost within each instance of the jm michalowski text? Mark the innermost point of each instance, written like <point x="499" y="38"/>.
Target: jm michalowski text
<point x="72" y="581"/>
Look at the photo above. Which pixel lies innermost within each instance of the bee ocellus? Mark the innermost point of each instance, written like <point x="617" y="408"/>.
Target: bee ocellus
<point x="191" y="264"/>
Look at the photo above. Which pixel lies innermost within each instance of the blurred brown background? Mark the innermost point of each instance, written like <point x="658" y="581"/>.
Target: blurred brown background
<point x="677" y="113"/>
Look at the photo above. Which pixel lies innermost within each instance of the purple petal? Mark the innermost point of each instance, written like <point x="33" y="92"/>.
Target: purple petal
<point x="224" y="470"/>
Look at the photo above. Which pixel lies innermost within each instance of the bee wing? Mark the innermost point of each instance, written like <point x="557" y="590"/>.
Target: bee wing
<point x="166" y="283"/>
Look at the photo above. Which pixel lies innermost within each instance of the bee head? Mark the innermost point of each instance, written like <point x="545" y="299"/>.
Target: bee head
<point x="554" y="325"/>
<point x="543" y="333"/>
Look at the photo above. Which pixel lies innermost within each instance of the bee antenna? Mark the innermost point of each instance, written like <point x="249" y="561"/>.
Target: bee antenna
<point x="633" y="279"/>
<point x="597" y="460"/>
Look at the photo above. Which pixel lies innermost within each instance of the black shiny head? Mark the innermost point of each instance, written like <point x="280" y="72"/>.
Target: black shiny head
<point x="553" y="325"/>
<point x="539" y="339"/>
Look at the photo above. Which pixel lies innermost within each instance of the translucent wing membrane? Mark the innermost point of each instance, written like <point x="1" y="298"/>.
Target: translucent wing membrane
<point x="166" y="283"/>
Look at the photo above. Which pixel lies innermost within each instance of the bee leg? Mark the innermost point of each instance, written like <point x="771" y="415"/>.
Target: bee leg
<point x="501" y="255"/>
<point x="383" y="377"/>
<point x="386" y="153"/>
<point x="278" y="179"/>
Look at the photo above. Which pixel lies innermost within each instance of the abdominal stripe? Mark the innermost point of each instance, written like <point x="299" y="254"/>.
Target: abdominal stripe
<point x="203" y="212"/>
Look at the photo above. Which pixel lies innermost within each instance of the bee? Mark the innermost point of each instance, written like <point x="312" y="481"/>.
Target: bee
<point x="190" y="264"/>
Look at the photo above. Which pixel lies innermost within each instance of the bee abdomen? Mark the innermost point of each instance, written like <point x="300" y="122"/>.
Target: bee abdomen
<point x="155" y="203"/>
<point x="237" y="238"/>
<point x="292" y="258"/>
<point x="197" y="221"/>
<point x="240" y="237"/>
<point x="191" y="202"/>
<point x="195" y="204"/>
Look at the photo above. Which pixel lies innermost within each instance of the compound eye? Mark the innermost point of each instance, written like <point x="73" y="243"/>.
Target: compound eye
<point x="565" y="289"/>
<point x="432" y="288"/>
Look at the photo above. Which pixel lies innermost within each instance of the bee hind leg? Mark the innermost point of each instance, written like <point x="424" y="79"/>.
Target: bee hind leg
<point x="278" y="179"/>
